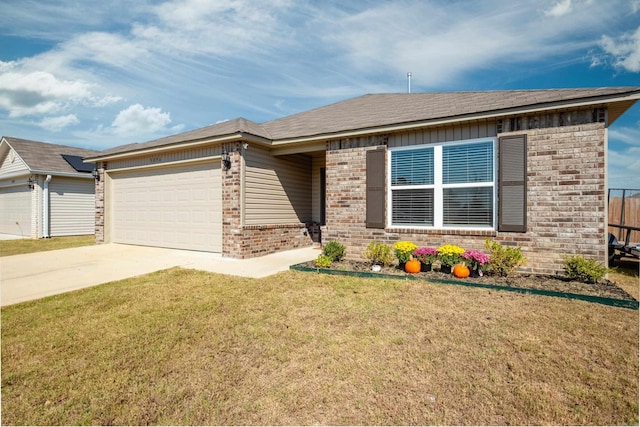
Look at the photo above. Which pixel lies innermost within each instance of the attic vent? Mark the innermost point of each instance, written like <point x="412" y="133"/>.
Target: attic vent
<point x="599" y="115"/>
<point x="77" y="163"/>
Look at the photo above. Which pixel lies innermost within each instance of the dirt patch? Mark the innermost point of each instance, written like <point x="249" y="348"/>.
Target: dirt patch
<point x="604" y="288"/>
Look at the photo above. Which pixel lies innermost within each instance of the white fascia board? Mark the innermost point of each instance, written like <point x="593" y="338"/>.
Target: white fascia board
<point x="169" y="147"/>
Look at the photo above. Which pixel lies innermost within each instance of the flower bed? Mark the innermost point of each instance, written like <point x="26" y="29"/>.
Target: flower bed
<point x="604" y="292"/>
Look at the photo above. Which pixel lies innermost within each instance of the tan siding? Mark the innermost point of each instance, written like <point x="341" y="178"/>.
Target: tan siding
<point x="443" y="134"/>
<point x="277" y="189"/>
<point x="72" y="206"/>
<point x="161" y="158"/>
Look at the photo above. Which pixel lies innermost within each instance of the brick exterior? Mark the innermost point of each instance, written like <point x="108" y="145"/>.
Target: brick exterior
<point x="566" y="200"/>
<point x="255" y="240"/>
<point x="566" y="203"/>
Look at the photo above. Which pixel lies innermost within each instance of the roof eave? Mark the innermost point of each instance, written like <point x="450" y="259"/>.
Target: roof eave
<point x="238" y="136"/>
<point x="599" y="100"/>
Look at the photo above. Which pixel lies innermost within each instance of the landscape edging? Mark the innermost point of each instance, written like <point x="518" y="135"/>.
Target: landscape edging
<point x="613" y="302"/>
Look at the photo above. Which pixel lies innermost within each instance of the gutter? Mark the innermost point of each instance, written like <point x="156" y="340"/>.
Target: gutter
<point x="40" y="172"/>
<point x="45" y="208"/>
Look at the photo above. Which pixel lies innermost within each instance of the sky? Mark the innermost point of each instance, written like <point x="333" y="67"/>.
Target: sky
<point x="99" y="74"/>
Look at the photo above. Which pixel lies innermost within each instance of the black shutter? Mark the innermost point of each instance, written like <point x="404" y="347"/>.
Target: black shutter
<point x="512" y="184"/>
<point x="375" y="188"/>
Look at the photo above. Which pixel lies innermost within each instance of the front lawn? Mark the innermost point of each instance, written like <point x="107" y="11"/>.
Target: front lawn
<point x="188" y="347"/>
<point x="27" y="246"/>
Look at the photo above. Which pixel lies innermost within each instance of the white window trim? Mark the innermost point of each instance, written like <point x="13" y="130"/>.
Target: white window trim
<point x="438" y="186"/>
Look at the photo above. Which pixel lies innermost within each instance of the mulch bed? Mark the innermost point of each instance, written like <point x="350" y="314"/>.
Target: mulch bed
<point x="604" y="288"/>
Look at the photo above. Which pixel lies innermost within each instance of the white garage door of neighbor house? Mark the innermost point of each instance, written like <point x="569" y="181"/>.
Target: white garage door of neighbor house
<point x="172" y="207"/>
<point x="72" y="204"/>
<point x="15" y="210"/>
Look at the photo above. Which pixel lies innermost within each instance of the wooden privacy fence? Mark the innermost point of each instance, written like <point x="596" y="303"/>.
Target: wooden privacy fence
<point x="631" y="216"/>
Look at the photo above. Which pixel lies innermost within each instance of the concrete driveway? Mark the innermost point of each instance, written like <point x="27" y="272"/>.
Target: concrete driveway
<point x="32" y="276"/>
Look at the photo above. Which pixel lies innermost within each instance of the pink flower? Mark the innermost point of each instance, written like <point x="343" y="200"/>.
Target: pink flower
<point x="476" y="258"/>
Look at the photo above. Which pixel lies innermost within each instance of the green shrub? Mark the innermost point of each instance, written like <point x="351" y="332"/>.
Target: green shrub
<point x="379" y="253"/>
<point x="584" y="270"/>
<point x="323" y="261"/>
<point x="504" y="260"/>
<point x="334" y="250"/>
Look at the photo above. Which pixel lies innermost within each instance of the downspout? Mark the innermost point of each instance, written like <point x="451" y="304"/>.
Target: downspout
<point x="45" y="208"/>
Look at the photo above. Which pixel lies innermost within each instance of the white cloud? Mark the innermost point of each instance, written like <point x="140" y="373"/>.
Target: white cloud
<point x="222" y="27"/>
<point x="624" y="49"/>
<point x="439" y="43"/>
<point x="559" y="9"/>
<point x="39" y="92"/>
<point x="137" y="120"/>
<point x="56" y="124"/>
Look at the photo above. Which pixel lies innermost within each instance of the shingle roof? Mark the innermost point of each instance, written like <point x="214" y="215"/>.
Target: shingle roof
<point x="229" y="127"/>
<point x="45" y="157"/>
<point x="389" y="109"/>
<point x="379" y="110"/>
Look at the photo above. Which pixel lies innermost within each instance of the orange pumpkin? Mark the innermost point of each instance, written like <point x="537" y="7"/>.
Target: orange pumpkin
<point x="461" y="271"/>
<point x="412" y="266"/>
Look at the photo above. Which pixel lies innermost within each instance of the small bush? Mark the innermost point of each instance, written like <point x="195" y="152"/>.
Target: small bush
<point x="334" y="250"/>
<point x="323" y="261"/>
<point x="378" y="253"/>
<point x="504" y="259"/>
<point x="584" y="270"/>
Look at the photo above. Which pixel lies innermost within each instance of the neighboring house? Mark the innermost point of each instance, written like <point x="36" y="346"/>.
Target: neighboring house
<point x="45" y="189"/>
<point x="525" y="168"/>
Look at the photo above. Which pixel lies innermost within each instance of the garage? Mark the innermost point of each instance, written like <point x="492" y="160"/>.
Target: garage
<point x="15" y="210"/>
<point x="172" y="207"/>
<point x="72" y="206"/>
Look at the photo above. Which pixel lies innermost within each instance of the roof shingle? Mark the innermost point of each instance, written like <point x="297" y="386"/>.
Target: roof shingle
<point x="45" y="157"/>
<point x="379" y="110"/>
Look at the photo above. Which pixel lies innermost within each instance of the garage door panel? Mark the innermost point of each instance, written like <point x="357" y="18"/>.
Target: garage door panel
<point x="15" y="210"/>
<point x="176" y="207"/>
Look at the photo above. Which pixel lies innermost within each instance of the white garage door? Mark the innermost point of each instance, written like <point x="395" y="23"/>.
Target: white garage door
<point x="172" y="207"/>
<point x="15" y="210"/>
<point x="72" y="206"/>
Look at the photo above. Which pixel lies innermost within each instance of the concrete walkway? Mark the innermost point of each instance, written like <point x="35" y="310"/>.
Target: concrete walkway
<point x="32" y="276"/>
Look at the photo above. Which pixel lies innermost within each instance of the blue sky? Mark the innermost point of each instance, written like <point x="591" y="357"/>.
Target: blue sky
<point x="98" y="74"/>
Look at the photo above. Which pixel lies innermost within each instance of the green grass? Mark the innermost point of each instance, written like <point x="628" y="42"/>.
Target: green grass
<point x="27" y="246"/>
<point x="186" y="347"/>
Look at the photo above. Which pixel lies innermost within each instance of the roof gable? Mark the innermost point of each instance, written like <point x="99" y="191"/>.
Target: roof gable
<point x="44" y="157"/>
<point x="10" y="161"/>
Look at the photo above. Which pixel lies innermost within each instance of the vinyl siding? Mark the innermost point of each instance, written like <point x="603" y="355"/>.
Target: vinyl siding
<point x="12" y="164"/>
<point x="72" y="206"/>
<point x="277" y="189"/>
<point x="444" y="134"/>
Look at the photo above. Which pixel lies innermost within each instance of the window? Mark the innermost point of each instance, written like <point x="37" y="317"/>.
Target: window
<point x="449" y="185"/>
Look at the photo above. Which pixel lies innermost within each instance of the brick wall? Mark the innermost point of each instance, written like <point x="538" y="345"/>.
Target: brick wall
<point x="566" y="200"/>
<point x="250" y="241"/>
